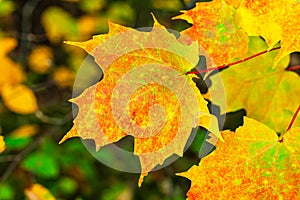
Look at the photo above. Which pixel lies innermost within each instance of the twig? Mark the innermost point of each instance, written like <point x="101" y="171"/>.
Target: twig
<point x="26" y="26"/>
<point x="293" y="68"/>
<point x="233" y="63"/>
<point x="53" y="120"/>
<point x="293" y="119"/>
<point x="19" y="157"/>
<point x="7" y="158"/>
<point x="42" y="86"/>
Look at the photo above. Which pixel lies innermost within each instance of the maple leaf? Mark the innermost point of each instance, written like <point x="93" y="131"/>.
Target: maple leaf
<point x="267" y="94"/>
<point x="261" y="18"/>
<point x="273" y="20"/>
<point x="252" y="163"/>
<point x="143" y="73"/>
<point x="290" y="41"/>
<point x="217" y="28"/>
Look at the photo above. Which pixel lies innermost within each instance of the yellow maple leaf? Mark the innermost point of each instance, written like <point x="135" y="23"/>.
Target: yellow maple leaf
<point x="261" y="18"/>
<point x="290" y="40"/>
<point x="10" y="72"/>
<point x="268" y="95"/>
<point x="273" y="20"/>
<point x="19" y="98"/>
<point x="2" y="144"/>
<point x="38" y="192"/>
<point x="252" y="163"/>
<point x="144" y="72"/>
<point x="216" y="26"/>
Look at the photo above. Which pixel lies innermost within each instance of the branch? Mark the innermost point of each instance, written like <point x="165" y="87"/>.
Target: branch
<point x="53" y="120"/>
<point x="293" y="119"/>
<point x="19" y="157"/>
<point x="233" y="63"/>
<point x="293" y="68"/>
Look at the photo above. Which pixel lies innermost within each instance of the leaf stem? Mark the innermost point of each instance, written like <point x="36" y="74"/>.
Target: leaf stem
<point x="293" y="68"/>
<point x="233" y="63"/>
<point x="293" y="119"/>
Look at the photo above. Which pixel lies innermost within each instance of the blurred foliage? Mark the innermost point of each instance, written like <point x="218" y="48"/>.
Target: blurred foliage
<point x="36" y="78"/>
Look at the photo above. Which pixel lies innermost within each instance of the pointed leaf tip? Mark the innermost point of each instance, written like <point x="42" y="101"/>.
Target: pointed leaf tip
<point x="82" y="45"/>
<point x="141" y="179"/>
<point x="156" y="23"/>
<point x="72" y="133"/>
<point x="153" y="16"/>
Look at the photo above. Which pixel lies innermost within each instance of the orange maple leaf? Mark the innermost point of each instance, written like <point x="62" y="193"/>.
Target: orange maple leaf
<point x="252" y="163"/>
<point x="144" y="72"/>
<point x="217" y="28"/>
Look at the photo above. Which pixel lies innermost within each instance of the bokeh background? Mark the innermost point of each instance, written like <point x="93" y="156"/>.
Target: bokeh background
<point x="38" y="70"/>
<point x="34" y="56"/>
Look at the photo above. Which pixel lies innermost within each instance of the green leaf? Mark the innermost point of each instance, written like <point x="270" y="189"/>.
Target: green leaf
<point x="66" y="185"/>
<point x="16" y="142"/>
<point x="6" y="192"/>
<point x="42" y="165"/>
<point x="198" y="140"/>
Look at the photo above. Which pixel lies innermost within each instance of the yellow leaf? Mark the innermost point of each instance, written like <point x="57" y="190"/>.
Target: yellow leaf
<point x="268" y="95"/>
<point x="144" y="93"/>
<point x="63" y="77"/>
<point x="253" y="163"/>
<point x="40" y="59"/>
<point x="25" y="131"/>
<point x="216" y="27"/>
<point x="273" y="20"/>
<point x="290" y="40"/>
<point x="38" y="192"/>
<point x="261" y="17"/>
<point x="19" y="99"/>
<point x="10" y="72"/>
<point x="2" y="144"/>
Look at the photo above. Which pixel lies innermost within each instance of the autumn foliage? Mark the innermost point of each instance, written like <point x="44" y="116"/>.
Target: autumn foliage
<point x="149" y="90"/>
